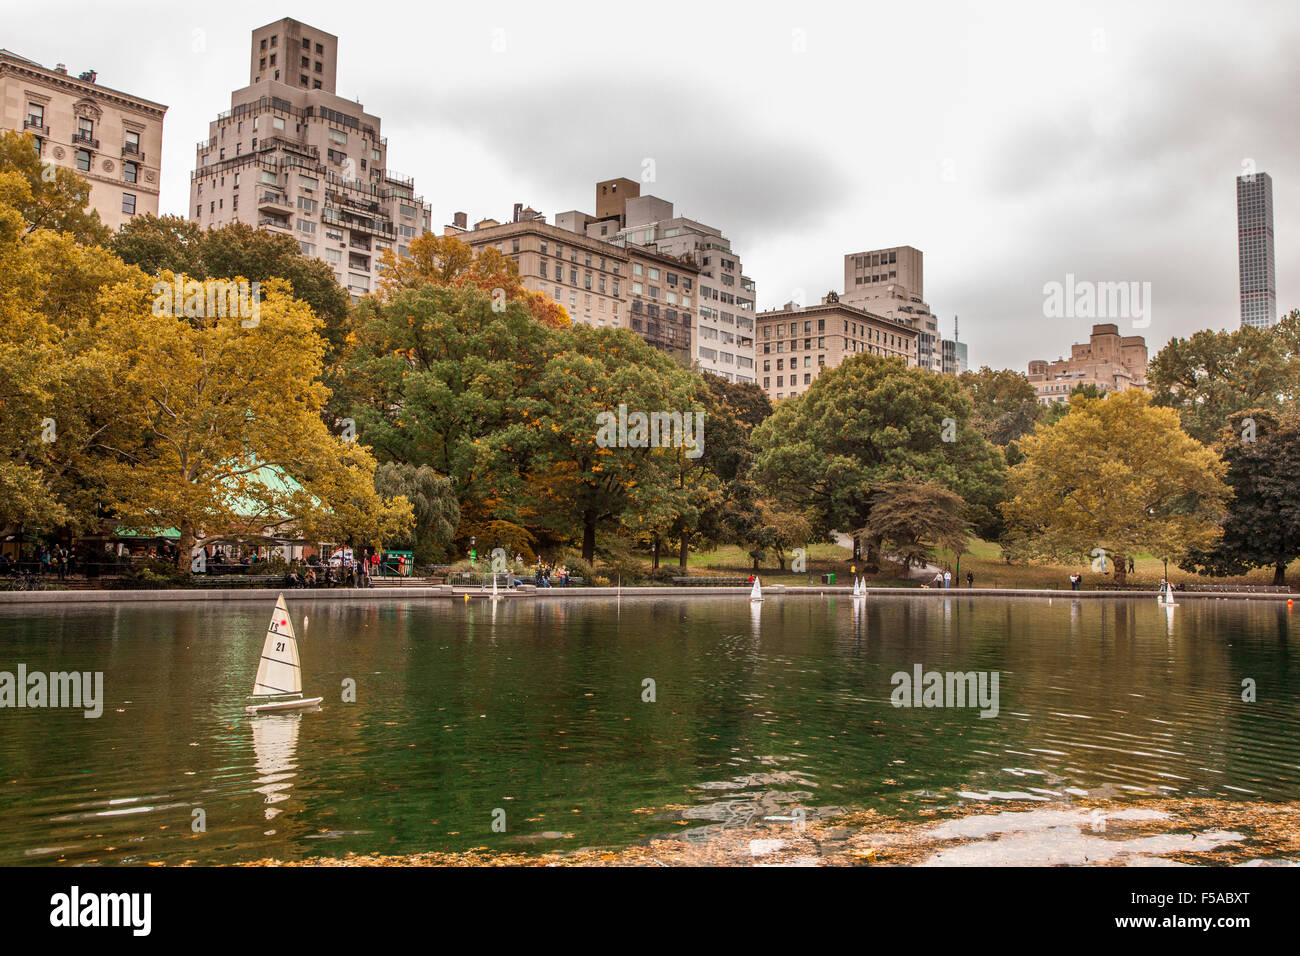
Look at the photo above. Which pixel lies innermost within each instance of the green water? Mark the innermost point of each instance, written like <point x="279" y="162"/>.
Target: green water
<point x="536" y="708"/>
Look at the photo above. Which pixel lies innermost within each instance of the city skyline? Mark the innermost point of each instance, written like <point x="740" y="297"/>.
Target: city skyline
<point x="1099" y="168"/>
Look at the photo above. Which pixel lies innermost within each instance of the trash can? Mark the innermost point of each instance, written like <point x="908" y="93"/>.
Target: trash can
<point x="828" y="578"/>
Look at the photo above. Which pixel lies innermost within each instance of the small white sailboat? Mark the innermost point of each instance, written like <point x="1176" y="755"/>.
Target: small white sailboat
<point x="756" y="592"/>
<point x="494" y="586"/>
<point x="279" y="673"/>
<point x="1166" y="596"/>
<point x="859" y="587"/>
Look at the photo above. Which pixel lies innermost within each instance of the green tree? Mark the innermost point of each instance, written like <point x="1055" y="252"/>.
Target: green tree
<point x="914" y="519"/>
<point x="433" y="500"/>
<point x="57" y="196"/>
<point x="869" y="422"/>
<point x="1118" y="474"/>
<point x="1262" y="527"/>
<point x="1213" y="375"/>
<point x="1005" y="405"/>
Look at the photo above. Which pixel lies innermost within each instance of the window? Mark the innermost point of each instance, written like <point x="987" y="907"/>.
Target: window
<point x="307" y="226"/>
<point x="130" y="172"/>
<point x="305" y="62"/>
<point x="320" y="48"/>
<point x="83" y="160"/>
<point x="128" y="203"/>
<point x="637" y="270"/>
<point x="307" y="205"/>
<point x="85" y="128"/>
<point x="308" y="249"/>
<point x="35" y="115"/>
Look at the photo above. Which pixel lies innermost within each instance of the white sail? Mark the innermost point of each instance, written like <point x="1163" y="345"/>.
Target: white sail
<point x="278" y="672"/>
<point x="756" y="592"/>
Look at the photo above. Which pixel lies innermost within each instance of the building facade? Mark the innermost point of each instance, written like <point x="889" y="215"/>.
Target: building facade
<point x="796" y="343"/>
<point x="293" y="157"/>
<point x="112" y="139"/>
<point x="891" y="282"/>
<point x="722" y="300"/>
<point x="1108" y="360"/>
<point x="1255" y="250"/>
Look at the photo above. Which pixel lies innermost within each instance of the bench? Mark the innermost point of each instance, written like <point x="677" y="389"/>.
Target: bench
<point x="712" y="582"/>
<point x="1250" y="588"/>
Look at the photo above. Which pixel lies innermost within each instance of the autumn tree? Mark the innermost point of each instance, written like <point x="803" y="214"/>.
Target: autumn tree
<point x="56" y="197"/>
<point x="1117" y="474"/>
<point x="1004" y="403"/>
<point x="434" y="505"/>
<point x="448" y="261"/>
<point x="226" y="431"/>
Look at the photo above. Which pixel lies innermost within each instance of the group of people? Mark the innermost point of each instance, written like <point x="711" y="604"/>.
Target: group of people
<point x="53" y="559"/>
<point x="943" y="579"/>
<point x="544" y="573"/>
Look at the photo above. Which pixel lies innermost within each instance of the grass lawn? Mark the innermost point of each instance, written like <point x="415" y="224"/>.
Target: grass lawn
<point x="984" y="560"/>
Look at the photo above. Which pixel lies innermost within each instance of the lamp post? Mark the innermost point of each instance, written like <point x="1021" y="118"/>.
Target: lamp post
<point x="472" y="553"/>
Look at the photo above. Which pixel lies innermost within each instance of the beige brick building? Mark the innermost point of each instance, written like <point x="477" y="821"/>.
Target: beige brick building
<point x="113" y="139"/>
<point x="1108" y="360"/>
<point x="891" y="282"/>
<point x="293" y="157"/>
<point x="795" y="344"/>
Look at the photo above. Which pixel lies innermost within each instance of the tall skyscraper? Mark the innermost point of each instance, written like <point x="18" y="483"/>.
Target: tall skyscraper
<point x="1255" y="250"/>
<point x="312" y="164"/>
<point x="891" y="282"/>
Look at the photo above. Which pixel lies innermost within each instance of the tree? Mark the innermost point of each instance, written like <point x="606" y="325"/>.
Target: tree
<point x="171" y="244"/>
<point x="1213" y="375"/>
<point x="915" y="519"/>
<point x="447" y="261"/>
<point x="871" y="421"/>
<point x="433" y="501"/>
<point x="1262" y="528"/>
<point x="1058" y="410"/>
<point x="778" y="531"/>
<point x="63" y="331"/>
<point x="1116" y="474"/>
<point x="227" y="434"/>
<point x="57" y="196"/>
<point x="1005" y="404"/>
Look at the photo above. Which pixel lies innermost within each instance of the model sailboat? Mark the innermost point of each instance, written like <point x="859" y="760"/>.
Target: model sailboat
<point x="1167" y="594"/>
<point x="859" y="587"/>
<point x="756" y="592"/>
<point x="279" y="673"/>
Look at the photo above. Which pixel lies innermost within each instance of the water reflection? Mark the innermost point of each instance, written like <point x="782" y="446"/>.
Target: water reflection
<point x="275" y="742"/>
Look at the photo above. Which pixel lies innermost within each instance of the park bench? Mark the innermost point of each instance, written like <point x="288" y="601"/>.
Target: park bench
<point x="705" y="581"/>
<point x="1249" y="588"/>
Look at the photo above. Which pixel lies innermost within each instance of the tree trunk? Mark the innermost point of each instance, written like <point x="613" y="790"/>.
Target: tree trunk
<point x="755" y="557"/>
<point x="1279" y="574"/>
<point x="1121" y="570"/>
<point x="184" y="547"/>
<point x="685" y="550"/>
<point x="654" y="554"/>
<point x="588" y="539"/>
<point x="873" y="554"/>
<point x="780" y="560"/>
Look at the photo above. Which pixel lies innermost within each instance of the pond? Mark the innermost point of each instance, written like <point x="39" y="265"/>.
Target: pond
<point x="563" y="723"/>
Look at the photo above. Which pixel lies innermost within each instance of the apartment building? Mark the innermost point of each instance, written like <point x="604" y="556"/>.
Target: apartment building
<point x="891" y="282"/>
<point x="723" y="299"/>
<point x="112" y="139"/>
<point x="796" y="343"/>
<point x="1108" y="360"/>
<point x="293" y="157"/>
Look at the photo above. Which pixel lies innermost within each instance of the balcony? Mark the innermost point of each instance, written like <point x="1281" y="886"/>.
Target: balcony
<point x="270" y="222"/>
<point x="37" y="128"/>
<point x="274" y="201"/>
<point x="132" y="153"/>
<point x="84" y="140"/>
<point x="350" y="220"/>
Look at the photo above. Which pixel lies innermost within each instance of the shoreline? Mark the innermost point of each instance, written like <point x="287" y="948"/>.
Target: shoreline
<point x="1196" y="831"/>
<point x="452" y="593"/>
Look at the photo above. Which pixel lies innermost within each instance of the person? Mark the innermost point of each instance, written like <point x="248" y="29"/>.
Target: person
<point x="1131" y="566"/>
<point x="938" y="580"/>
<point x="947" y="578"/>
<point x="970" y="579"/>
<point x="751" y="580"/>
<point x="1075" y="581"/>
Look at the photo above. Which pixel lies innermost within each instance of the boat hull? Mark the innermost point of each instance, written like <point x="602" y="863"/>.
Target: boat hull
<point x="284" y="706"/>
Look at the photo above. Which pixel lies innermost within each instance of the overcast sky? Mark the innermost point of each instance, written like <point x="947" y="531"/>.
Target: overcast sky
<point x="1012" y="143"/>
